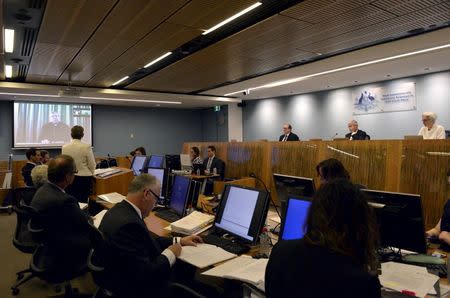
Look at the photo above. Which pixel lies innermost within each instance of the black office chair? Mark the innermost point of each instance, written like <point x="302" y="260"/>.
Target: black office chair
<point x="23" y="240"/>
<point x="23" y="195"/>
<point x="43" y="264"/>
<point x="98" y="257"/>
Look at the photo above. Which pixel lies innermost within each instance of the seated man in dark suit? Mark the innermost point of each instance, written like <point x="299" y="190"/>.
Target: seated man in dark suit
<point x="65" y="225"/>
<point x="33" y="157"/>
<point x="288" y="135"/>
<point x="213" y="162"/>
<point x="355" y="133"/>
<point x="141" y="264"/>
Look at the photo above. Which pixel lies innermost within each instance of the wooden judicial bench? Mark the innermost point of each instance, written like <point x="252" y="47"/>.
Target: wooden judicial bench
<point x="408" y="166"/>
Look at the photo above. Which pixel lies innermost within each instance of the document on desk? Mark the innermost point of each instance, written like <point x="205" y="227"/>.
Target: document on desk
<point x="243" y="268"/>
<point x="98" y="218"/>
<point x="192" y="223"/>
<point x="204" y="255"/>
<point x="401" y="277"/>
<point x="112" y="197"/>
<point x="83" y="205"/>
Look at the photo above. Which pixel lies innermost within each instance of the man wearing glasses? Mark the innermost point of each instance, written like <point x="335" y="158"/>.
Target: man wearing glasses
<point x="65" y="225"/>
<point x="141" y="263"/>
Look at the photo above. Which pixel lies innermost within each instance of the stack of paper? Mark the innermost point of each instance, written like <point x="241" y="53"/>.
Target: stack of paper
<point x="403" y="277"/>
<point x="204" y="255"/>
<point x="83" y="205"/>
<point x="112" y="197"/>
<point x="98" y="218"/>
<point x="192" y="223"/>
<point x="102" y="173"/>
<point x="243" y="268"/>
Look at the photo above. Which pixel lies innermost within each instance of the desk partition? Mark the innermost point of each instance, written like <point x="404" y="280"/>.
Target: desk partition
<point x="411" y="166"/>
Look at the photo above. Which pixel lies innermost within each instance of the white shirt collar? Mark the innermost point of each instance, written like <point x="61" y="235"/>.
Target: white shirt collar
<point x="138" y="211"/>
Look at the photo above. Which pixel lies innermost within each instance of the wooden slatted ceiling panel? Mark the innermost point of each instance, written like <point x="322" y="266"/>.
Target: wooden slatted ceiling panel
<point x="239" y="56"/>
<point x="317" y="11"/>
<point x="267" y="45"/>
<point x="166" y="36"/>
<point x="392" y="27"/>
<point x="229" y="59"/>
<point x="203" y="14"/>
<point x="181" y="27"/>
<point x="65" y="28"/>
<point x="126" y="25"/>
<point x="404" y="7"/>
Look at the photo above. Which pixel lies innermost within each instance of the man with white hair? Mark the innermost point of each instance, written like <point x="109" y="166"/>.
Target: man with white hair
<point x="355" y="133"/>
<point x="39" y="175"/>
<point x="141" y="263"/>
<point x="431" y="130"/>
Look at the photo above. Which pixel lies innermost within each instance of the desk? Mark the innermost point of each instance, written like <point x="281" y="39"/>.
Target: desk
<point x="115" y="183"/>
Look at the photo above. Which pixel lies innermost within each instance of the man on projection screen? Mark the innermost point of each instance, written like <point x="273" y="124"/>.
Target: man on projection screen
<point x="54" y="131"/>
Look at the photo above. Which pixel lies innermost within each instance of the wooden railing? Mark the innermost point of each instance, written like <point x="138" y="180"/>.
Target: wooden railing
<point x="410" y="166"/>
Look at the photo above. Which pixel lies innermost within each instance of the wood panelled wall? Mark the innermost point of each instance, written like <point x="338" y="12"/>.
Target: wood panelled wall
<point x="410" y="166"/>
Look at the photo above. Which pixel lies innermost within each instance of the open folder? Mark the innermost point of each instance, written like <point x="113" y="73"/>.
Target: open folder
<point x="204" y="255"/>
<point x="243" y="268"/>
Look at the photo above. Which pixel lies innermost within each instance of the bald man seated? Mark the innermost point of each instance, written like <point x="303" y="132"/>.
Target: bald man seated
<point x="141" y="263"/>
<point x="355" y="133"/>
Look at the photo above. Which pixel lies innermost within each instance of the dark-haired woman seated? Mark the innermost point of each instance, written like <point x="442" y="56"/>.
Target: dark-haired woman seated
<point x="337" y="255"/>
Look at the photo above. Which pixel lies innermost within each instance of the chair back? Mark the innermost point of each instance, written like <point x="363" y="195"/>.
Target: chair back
<point x="23" y="239"/>
<point x="23" y="195"/>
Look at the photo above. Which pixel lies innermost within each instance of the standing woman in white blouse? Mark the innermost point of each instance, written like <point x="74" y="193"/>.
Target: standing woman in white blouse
<point x="431" y="130"/>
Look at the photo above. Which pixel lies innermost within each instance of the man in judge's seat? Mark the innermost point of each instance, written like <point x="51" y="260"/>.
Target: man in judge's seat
<point x="140" y="264"/>
<point x="65" y="226"/>
<point x="288" y="135"/>
<point x="34" y="158"/>
<point x="212" y="162"/>
<point x="355" y="133"/>
<point x="54" y="131"/>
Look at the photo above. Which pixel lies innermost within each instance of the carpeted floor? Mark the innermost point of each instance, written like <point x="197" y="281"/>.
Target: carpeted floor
<point x="12" y="261"/>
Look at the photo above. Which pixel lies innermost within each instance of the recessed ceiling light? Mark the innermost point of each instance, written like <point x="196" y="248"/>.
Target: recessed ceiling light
<point x="120" y="81"/>
<point x="356" y="81"/>
<point x="426" y="68"/>
<point x="8" y="71"/>
<point x="235" y="16"/>
<point x="158" y="59"/>
<point x="388" y="75"/>
<point x="9" y="40"/>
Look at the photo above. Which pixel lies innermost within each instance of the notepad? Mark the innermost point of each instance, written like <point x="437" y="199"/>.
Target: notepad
<point x="243" y="268"/>
<point x="98" y="218"/>
<point x="204" y="255"/>
<point x="412" y="278"/>
<point x="192" y="223"/>
<point x="112" y="197"/>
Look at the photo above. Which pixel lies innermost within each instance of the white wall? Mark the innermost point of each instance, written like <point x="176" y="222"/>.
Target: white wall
<point x="322" y="114"/>
<point x="234" y="122"/>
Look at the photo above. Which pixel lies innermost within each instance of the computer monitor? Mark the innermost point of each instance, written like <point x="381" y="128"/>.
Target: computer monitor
<point x="160" y="175"/>
<point x="156" y="161"/>
<point x="400" y="219"/>
<point x="173" y="162"/>
<point x="138" y="163"/>
<point x="286" y="186"/>
<point x="180" y="194"/>
<point x="293" y="223"/>
<point x="185" y="160"/>
<point x="242" y="212"/>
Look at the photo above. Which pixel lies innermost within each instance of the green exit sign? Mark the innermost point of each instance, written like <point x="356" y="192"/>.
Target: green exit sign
<point x="216" y="108"/>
